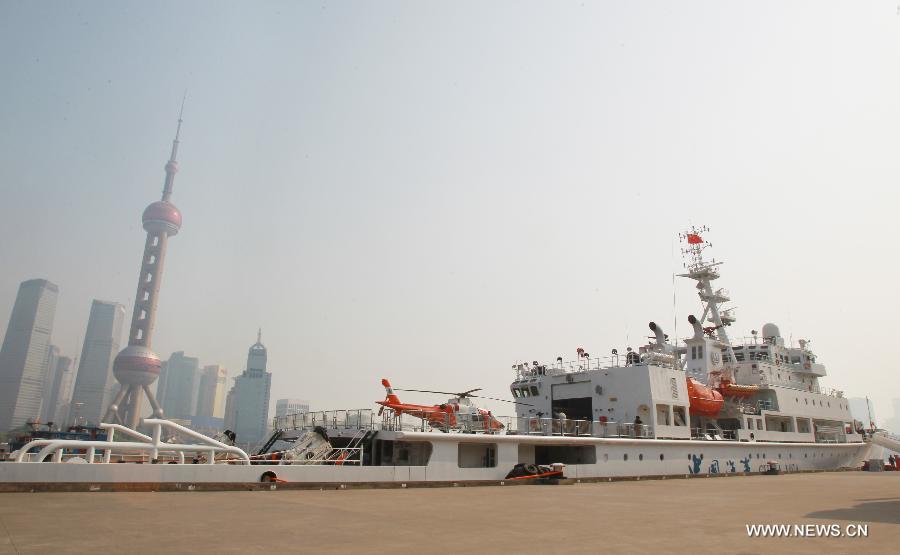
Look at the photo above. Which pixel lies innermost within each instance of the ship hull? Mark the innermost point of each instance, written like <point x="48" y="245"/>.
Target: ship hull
<point x="459" y="458"/>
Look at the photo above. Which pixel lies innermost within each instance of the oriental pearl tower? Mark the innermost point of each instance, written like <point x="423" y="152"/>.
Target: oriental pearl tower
<point x="136" y="367"/>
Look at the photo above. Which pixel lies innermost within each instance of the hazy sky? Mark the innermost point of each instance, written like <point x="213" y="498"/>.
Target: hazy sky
<point x="431" y="191"/>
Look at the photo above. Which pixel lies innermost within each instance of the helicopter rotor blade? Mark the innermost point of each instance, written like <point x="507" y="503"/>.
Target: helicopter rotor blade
<point x="503" y="400"/>
<point x="464" y="394"/>
<point x="425" y="391"/>
<point x="455" y="394"/>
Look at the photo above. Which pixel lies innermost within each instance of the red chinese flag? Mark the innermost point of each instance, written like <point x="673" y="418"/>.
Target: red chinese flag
<point x="694" y="239"/>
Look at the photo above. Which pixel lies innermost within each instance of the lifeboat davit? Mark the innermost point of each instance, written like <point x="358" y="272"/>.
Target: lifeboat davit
<point x="731" y="389"/>
<point x="705" y="401"/>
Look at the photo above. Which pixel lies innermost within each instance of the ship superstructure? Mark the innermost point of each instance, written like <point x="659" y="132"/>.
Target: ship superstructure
<point x="707" y="387"/>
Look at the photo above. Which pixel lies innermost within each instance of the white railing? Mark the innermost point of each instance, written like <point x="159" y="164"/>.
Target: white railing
<point x="344" y="418"/>
<point x="143" y="444"/>
<point x="464" y="423"/>
<point x="525" y="371"/>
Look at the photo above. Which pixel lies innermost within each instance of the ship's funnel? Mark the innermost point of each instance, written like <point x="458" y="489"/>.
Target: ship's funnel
<point x="660" y="336"/>
<point x="698" y="329"/>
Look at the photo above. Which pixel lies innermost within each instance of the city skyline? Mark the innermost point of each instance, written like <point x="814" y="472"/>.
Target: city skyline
<point x="383" y="210"/>
<point x="46" y="384"/>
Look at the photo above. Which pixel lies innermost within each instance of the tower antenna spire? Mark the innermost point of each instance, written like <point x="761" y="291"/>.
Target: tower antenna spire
<point x="172" y="164"/>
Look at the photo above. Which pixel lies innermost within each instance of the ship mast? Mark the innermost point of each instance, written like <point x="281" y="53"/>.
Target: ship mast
<point x="704" y="273"/>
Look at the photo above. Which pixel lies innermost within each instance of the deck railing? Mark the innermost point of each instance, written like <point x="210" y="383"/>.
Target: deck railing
<point x="365" y="419"/>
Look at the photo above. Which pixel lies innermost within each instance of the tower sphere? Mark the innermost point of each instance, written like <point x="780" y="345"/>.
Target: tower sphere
<point x="136" y="365"/>
<point x="162" y="216"/>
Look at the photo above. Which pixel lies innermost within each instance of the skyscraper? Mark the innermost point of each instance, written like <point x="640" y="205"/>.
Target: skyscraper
<point x="229" y="409"/>
<point x="251" y="396"/>
<point x="182" y="386"/>
<point x="23" y="357"/>
<point x="94" y="383"/>
<point x="211" y="398"/>
<point x="137" y="366"/>
<point x="61" y="393"/>
<point x="48" y="405"/>
<point x="284" y="407"/>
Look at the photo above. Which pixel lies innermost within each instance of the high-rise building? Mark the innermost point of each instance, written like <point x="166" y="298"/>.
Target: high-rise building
<point x="94" y="384"/>
<point x="211" y="399"/>
<point x="284" y="407"/>
<point x="137" y="366"/>
<point x="48" y="405"/>
<point x="23" y="357"/>
<point x="182" y="386"/>
<point x="229" y="409"/>
<point x="251" y="397"/>
<point x="61" y="393"/>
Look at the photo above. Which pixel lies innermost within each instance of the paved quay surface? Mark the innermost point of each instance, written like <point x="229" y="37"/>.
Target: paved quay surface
<point x="658" y="516"/>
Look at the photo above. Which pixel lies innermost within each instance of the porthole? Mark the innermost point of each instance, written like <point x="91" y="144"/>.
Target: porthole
<point x="605" y="457"/>
<point x="641" y="457"/>
<point x="661" y="456"/>
<point x="626" y="456"/>
<point x="804" y="455"/>
<point x="689" y="457"/>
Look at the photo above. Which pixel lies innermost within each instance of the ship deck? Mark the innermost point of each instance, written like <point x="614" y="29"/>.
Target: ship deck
<point x="658" y="516"/>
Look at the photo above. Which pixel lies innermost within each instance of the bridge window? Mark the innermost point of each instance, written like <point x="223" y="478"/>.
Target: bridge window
<point x="679" y="416"/>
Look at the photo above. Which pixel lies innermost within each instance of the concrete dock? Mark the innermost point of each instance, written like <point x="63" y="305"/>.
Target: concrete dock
<point x="658" y="516"/>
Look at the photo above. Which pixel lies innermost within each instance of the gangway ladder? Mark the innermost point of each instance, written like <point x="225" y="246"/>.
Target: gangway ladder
<point x="346" y="454"/>
<point x="886" y="440"/>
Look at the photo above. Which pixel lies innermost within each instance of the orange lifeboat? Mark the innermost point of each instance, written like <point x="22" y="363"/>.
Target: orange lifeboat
<point x="704" y="400"/>
<point x="731" y="389"/>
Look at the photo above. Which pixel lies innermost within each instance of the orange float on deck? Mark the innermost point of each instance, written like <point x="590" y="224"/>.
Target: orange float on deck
<point x="704" y="400"/>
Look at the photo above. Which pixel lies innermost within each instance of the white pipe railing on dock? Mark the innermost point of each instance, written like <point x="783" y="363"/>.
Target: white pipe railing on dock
<point x="147" y="445"/>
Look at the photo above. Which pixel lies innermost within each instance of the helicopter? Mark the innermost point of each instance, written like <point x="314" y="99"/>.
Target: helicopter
<point x="459" y="411"/>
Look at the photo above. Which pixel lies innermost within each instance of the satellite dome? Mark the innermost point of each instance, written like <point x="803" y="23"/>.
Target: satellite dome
<point x="770" y="330"/>
<point x="162" y="216"/>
